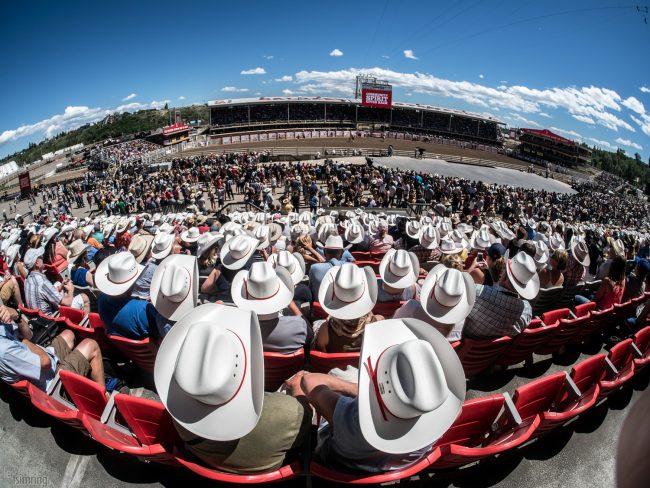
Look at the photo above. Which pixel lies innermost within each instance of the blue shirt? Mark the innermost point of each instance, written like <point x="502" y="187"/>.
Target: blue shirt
<point x="317" y="273"/>
<point x="346" y="258"/>
<point x="18" y="363"/>
<point x="79" y="277"/>
<point x="128" y="317"/>
<point x="142" y="286"/>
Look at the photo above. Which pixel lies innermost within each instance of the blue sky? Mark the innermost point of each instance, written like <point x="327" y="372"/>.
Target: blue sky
<point x="576" y="68"/>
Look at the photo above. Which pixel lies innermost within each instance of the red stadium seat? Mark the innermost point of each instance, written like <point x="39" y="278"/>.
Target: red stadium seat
<point x="623" y="311"/>
<point x="317" y="311"/>
<point x="642" y="342"/>
<point x="372" y="263"/>
<point x="21" y="387"/>
<point x="387" y="309"/>
<point x="279" y="367"/>
<point x="323" y="362"/>
<point x="31" y="313"/>
<point x="567" y="329"/>
<point x="473" y="436"/>
<point x="142" y="353"/>
<point x="527" y="341"/>
<point x="588" y="373"/>
<point x="584" y="309"/>
<point x="75" y="315"/>
<point x="89" y="397"/>
<point x="360" y="255"/>
<point x="56" y="407"/>
<point x="478" y="354"/>
<point x="598" y="320"/>
<point x="621" y="369"/>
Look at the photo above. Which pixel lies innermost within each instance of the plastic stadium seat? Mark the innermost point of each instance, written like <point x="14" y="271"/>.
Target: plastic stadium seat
<point x="360" y="255"/>
<point x="585" y="309"/>
<point x="89" y="397"/>
<point x="372" y="263"/>
<point x="323" y="362"/>
<point x="142" y="353"/>
<point x="587" y="374"/>
<point x="567" y="329"/>
<point x="623" y="311"/>
<point x="387" y="309"/>
<point x="642" y="342"/>
<point x="598" y="321"/>
<point x="478" y="354"/>
<point x="31" y="313"/>
<point x="21" y="387"/>
<point x="526" y="342"/>
<point x="475" y="435"/>
<point x="75" y="315"/>
<point x="279" y="367"/>
<point x="553" y="317"/>
<point x="317" y="311"/>
<point x="555" y="398"/>
<point x="56" y="407"/>
<point x="621" y="358"/>
<point x="547" y="299"/>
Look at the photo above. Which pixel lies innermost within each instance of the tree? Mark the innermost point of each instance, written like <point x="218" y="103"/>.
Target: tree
<point x="637" y="156"/>
<point x="166" y="107"/>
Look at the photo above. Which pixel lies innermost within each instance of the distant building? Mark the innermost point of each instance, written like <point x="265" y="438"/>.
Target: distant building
<point x="170" y="135"/>
<point x="546" y="146"/>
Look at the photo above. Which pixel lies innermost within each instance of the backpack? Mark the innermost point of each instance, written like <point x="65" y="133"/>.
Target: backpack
<point x="44" y="331"/>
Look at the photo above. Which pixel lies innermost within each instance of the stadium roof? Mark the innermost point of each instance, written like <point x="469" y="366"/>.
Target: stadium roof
<point x="549" y="135"/>
<point x="416" y="106"/>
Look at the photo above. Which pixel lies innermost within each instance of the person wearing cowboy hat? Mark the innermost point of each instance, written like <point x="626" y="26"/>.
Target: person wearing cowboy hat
<point x="332" y="256"/>
<point x="411" y="387"/>
<point x="503" y="309"/>
<point x="207" y="252"/>
<point x="382" y="241"/>
<point x="9" y="288"/>
<point x="398" y="271"/>
<point x="189" y="240"/>
<point x="122" y="235"/>
<point x="78" y="260"/>
<point x="226" y="419"/>
<point x="553" y="273"/>
<point x="142" y="247"/>
<point x="579" y="260"/>
<point x="122" y="314"/>
<point x="614" y="248"/>
<point x="267" y="290"/>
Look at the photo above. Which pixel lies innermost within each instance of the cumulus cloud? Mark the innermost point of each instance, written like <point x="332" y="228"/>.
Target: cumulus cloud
<point x="268" y="56"/>
<point x="285" y="78"/>
<point x="253" y="71"/>
<point x="585" y="119"/>
<point x="233" y="89"/>
<point x="129" y="97"/>
<point x="590" y="103"/>
<point x="336" y="53"/>
<point x="408" y="53"/>
<point x="544" y="114"/>
<point x="629" y="143"/>
<point x="603" y="144"/>
<point x="634" y="105"/>
<point x="287" y="92"/>
<point x="645" y="89"/>
<point x="181" y="97"/>
<point x="519" y="118"/>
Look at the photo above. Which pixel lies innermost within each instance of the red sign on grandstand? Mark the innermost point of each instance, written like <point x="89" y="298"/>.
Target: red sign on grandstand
<point x="24" y="183"/>
<point x="376" y="98"/>
<point x="170" y="129"/>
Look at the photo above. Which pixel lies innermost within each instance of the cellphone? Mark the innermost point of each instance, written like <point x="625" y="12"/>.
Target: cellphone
<point x="479" y="257"/>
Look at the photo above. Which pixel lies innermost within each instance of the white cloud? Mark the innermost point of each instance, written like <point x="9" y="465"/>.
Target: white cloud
<point x="287" y="92"/>
<point x="259" y="94"/>
<point x="268" y="56"/>
<point x="385" y="56"/>
<point x="544" y="114"/>
<point x="285" y="78"/>
<point x="571" y="133"/>
<point x="233" y="89"/>
<point x="603" y="144"/>
<point x="129" y="97"/>
<point x="634" y="105"/>
<point x="254" y="71"/>
<point x="408" y="53"/>
<point x="480" y="76"/>
<point x="629" y="143"/>
<point x="584" y="118"/>
<point x="181" y="97"/>
<point x="645" y="89"/>
<point x="519" y="118"/>
<point x="336" y="53"/>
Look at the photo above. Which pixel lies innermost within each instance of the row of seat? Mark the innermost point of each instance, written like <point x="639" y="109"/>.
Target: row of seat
<point x="485" y="427"/>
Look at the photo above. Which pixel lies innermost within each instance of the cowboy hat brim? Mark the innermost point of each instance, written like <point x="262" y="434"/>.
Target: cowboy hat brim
<point x="442" y="313"/>
<point x="106" y="286"/>
<point x="167" y="308"/>
<point x="280" y="300"/>
<point x="344" y="310"/>
<point x="527" y="292"/>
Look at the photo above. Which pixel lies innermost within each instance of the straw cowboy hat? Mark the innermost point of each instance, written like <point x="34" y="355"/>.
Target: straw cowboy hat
<point x="448" y="295"/>
<point x="190" y="235"/>
<point x="206" y="242"/>
<point x="354" y="234"/>
<point x="348" y="292"/>
<point x="121" y="226"/>
<point x="226" y="341"/>
<point x="140" y="245"/>
<point x="429" y="237"/>
<point x="262" y="289"/>
<point x="117" y="273"/>
<point x="162" y="245"/>
<point x="522" y="273"/>
<point x="411" y="385"/>
<point x="175" y="286"/>
<point x="579" y="251"/>
<point x="617" y="246"/>
<point x="399" y="268"/>
<point x="236" y="252"/>
<point x="293" y="263"/>
<point x="75" y="250"/>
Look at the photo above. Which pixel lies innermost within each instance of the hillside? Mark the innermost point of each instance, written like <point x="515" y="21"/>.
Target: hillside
<point x="620" y="164"/>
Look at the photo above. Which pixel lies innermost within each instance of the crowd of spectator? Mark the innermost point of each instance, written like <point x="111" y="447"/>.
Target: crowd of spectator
<point x="124" y="151"/>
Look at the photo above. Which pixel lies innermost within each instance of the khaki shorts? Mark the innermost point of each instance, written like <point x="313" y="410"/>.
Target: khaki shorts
<point x="70" y="360"/>
<point x="7" y="291"/>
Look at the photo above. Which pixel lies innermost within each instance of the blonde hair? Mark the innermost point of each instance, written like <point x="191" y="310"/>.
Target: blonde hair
<point x="453" y="261"/>
<point x="35" y="241"/>
<point x="562" y="258"/>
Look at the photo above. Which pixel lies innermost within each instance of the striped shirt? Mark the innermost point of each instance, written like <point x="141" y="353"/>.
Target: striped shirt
<point x="575" y="272"/>
<point x="41" y="294"/>
<point x="497" y="312"/>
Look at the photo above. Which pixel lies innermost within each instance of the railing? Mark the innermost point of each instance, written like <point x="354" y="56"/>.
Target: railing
<point x="238" y="207"/>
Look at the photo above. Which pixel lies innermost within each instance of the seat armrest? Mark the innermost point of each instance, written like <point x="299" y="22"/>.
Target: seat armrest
<point x="572" y="315"/>
<point x="108" y="416"/>
<point x="610" y="368"/>
<point x="55" y="390"/>
<point x="510" y="409"/>
<point x="635" y="350"/>
<point x="571" y="388"/>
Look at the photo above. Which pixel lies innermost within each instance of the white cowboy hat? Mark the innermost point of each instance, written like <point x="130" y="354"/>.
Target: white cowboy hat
<point x="166" y="228"/>
<point x="190" y="235"/>
<point x="414" y="229"/>
<point x="262" y="234"/>
<point x="459" y="238"/>
<point x="411" y="385"/>
<point x="348" y="292"/>
<point x="12" y="253"/>
<point x="298" y="230"/>
<point x="226" y="403"/>
<point x="117" y="273"/>
<point x="121" y="226"/>
<point x="617" y="246"/>
<point x="579" y="251"/>
<point x="175" y="286"/>
<point x="481" y="240"/>
<point x="324" y="232"/>
<point x="354" y="233"/>
<point x="293" y="263"/>
<point x="236" y="252"/>
<point x="541" y="254"/>
<point x="75" y="251"/>
<point x="448" y="246"/>
<point x="48" y="234"/>
<point x="162" y="245"/>
<point x="448" y="295"/>
<point x="429" y="237"/>
<point x="333" y="242"/>
<point x="445" y="228"/>
<point x="399" y="268"/>
<point x="262" y="289"/>
<point x="206" y="242"/>
<point x="555" y="242"/>
<point x="140" y="245"/>
<point x="522" y="273"/>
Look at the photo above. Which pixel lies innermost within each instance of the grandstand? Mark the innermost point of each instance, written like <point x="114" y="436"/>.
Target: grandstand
<point x="546" y="146"/>
<point x="227" y="116"/>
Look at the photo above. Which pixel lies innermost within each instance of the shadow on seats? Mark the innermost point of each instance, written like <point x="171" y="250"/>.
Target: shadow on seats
<point x="73" y="441"/>
<point x="620" y="399"/>
<point x="550" y="445"/>
<point x="487" y="382"/>
<point x="486" y="473"/>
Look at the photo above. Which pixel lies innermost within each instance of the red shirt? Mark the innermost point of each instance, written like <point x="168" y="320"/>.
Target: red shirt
<point x="123" y="240"/>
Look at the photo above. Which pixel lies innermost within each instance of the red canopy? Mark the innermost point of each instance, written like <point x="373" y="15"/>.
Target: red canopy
<point x="550" y="135"/>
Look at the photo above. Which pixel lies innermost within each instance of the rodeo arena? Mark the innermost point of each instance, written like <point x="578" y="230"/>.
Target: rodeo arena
<point x="324" y="290"/>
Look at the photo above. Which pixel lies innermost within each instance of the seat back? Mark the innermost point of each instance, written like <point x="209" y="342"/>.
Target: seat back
<point x="75" y="315"/>
<point x="147" y="419"/>
<point x="142" y="353"/>
<point x="31" y="313"/>
<point x="280" y="367"/>
<point x="621" y="354"/>
<point x="553" y="317"/>
<point x="532" y="338"/>
<point x="474" y="421"/>
<point x="567" y="297"/>
<point x="546" y="300"/>
<point x="387" y="309"/>
<point x="317" y="311"/>
<point x="360" y="255"/>
<point x="538" y="396"/>
<point x="584" y="309"/>
<point x="88" y="396"/>
<point x="642" y="340"/>
<point x="478" y="354"/>
<point x="323" y="362"/>
<point x="588" y="373"/>
<point x="624" y="310"/>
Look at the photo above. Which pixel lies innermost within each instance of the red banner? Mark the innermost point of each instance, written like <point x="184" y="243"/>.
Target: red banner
<point x="376" y="98"/>
<point x="25" y="183"/>
<point x="170" y="129"/>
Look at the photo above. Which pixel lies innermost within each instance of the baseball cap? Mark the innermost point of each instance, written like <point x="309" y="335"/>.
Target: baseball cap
<point x="496" y="251"/>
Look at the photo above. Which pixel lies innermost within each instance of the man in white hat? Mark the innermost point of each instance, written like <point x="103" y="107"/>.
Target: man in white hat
<point x="410" y="390"/>
<point x="333" y="253"/>
<point x="579" y="260"/>
<point x="503" y="309"/>
<point x="399" y="271"/>
<point x="225" y="418"/>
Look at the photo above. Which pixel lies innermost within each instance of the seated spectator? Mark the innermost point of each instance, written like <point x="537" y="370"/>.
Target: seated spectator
<point x="9" y="288"/>
<point x="553" y="274"/>
<point x="611" y="288"/>
<point x="348" y="294"/>
<point x="226" y="419"/>
<point x="267" y="291"/>
<point x="122" y="235"/>
<point x="428" y="248"/>
<point x="189" y="238"/>
<point x="488" y="271"/>
<point x="77" y="258"/>
<point x="614" y="248"/>
<point x="381" y="242"/>
<point x="207" y="253"/>
<point x="20" y="359"/>
<point x="375" y="429"/>
<point x="578" y="262"/>
<point x="236" y="253"/>
<point x="399" y="271"/>
<point x="42" y="295"/>
<point x="141" y="248"/>
<point x="635" y="284"/>
<point x="122" y="315"/>
<point x="333" y="251"/>
<point x="498" y="309"/>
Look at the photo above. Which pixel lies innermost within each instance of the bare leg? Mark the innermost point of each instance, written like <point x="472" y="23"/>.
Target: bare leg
<point x="92" y="353"/>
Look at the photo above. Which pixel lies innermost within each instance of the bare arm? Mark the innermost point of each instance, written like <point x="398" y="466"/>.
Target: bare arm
<point x="209" y="284"/>
<point x="323" y="338"/>
<point x="42" y="355"/>
<point x="323" y="391"/>
<point x="66" y="301"/>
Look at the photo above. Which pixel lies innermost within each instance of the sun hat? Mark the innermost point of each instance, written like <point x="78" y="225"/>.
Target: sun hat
<point x="121" y="226"/>
<point x="411" y="385"/>
<point x="262" y="289"/>
<point x="413" y="229"/>
<point x="11" y="254"/>
<point x="579" y="251"/>
<point x="399" y="268"/>
<point x="447" y="294"/>
<point x="348" y="291"/>
<point x="117" y="273"/>
<point x="140" y="245"/>
<point x="206" y="242"/>
<point x="298" y="230"/>
<point x="522" y="273"/>
<point x="162" y="245"/>
<point x="354" y="233"/>
<point x="294" y="263"/>
<point x="555" y="242"/>
<point x="448" y="246"/>
<point x="429" y="237"/>
<point x="481" y="240"/>
<point x="166" y="228"/>
<point x="190" y="235"/>
<point x="76" y="250"/>
<point x="541" y="254"/>
<point x="175" y="286"/>
<point x="48" y="234"/>
<point x="236" y="252"/>
<point x="225" y="404"/>
<point x="262" y="234"/>
<point x="32" y="255"/>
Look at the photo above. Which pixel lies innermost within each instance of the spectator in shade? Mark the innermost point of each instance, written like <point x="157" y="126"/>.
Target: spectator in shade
<point x="553" y="274"/>
<point x="611" y="288"/>
<point x="333" y="251"/>
<point x="578" y="261"/>
<point x="635" y="284"/>
<point x="236" y="253"/>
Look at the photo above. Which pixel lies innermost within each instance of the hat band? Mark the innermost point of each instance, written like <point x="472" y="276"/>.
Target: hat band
<point x="108" y="275"/>
<point x="520" y="283"/>
<point x="383" y="408"/>
<point x="250" y="296"/>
